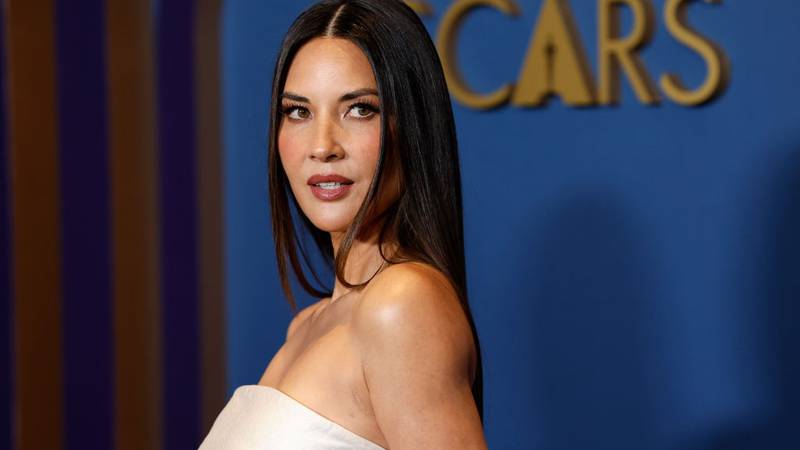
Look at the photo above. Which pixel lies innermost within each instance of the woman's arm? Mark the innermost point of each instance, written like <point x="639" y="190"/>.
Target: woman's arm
<point x="417" y="357"/>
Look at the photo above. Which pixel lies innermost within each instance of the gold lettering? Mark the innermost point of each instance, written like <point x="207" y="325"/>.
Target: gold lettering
<point x="616" y="52"/>
<point x="555" y="62"/>
<point x="446" y="43"/>
<point x="715" y="59"/>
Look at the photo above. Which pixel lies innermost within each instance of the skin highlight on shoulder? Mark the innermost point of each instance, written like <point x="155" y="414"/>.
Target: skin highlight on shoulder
<point x="416" y="300"/>
<point x="411" y="279"/>
<point x="417" y="356"/>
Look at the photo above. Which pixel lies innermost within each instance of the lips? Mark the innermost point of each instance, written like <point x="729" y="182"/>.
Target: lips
<point x="332" y="178"/>
<point x="329" y="187"/>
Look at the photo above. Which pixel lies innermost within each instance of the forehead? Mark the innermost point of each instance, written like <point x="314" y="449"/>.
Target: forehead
<point x="329" y="66"/>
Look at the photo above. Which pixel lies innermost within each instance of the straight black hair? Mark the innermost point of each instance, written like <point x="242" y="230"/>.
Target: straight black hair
<point x="417" y="133"/>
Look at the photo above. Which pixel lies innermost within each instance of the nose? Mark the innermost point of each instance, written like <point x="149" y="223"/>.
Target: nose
<point x="326" y="147"/>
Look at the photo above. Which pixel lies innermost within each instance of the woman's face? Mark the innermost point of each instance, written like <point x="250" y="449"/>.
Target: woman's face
<point x="329" y="137"/>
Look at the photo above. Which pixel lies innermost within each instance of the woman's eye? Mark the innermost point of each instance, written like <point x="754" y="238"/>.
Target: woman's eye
<point x="363" y="110"/>
<point x="295" y="112"/>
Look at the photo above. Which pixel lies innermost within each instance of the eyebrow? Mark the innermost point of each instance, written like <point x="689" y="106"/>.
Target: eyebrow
<point x="348" y="96"/>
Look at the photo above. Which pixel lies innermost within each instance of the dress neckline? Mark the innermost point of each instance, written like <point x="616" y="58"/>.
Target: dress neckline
<point x="311" y="411"/>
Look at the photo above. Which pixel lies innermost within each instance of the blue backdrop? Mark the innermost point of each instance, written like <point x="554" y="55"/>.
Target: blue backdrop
<point x="634" y="271"/>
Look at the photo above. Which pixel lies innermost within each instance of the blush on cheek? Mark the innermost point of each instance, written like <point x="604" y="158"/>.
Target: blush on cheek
<point x="287" y="151"/>
<point x="284" y="143"/>
<point x="369" y="144"/>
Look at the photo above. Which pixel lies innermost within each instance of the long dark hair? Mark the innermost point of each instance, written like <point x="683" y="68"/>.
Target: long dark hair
<point x="418" y="133"/>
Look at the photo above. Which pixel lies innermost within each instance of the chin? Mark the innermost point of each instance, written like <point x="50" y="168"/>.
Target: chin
<point x="331" y="224"/>
<point x="334" y="216"/>
<point x="330" y="218"/>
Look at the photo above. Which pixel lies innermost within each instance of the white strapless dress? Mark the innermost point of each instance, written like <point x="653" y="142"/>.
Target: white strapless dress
<point x="264" y="418"/>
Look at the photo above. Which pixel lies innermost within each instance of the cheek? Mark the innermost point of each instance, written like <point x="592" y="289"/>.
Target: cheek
<point x="289" y="153"/>
<point x="370" y="145"/>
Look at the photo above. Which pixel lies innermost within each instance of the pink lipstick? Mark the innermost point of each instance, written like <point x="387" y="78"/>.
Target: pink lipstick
<point x="329" y="187"/>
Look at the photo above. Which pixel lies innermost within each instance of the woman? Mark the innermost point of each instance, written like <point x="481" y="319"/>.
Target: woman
<point x="363" y="147"/>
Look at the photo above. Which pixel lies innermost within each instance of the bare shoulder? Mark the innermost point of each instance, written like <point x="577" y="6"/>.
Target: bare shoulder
<point x="411" y="280"/>
<point x="417" y="354"/>
<point x="414" y="299"/>
<point x="416" y="302"/>
<point x="301" y="316"/>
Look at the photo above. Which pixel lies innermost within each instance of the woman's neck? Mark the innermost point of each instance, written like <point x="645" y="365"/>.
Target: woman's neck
<point x="363" y="261"/>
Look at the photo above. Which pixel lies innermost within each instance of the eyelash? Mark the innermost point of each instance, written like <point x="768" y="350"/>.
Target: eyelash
<point x="375" y="109"/>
